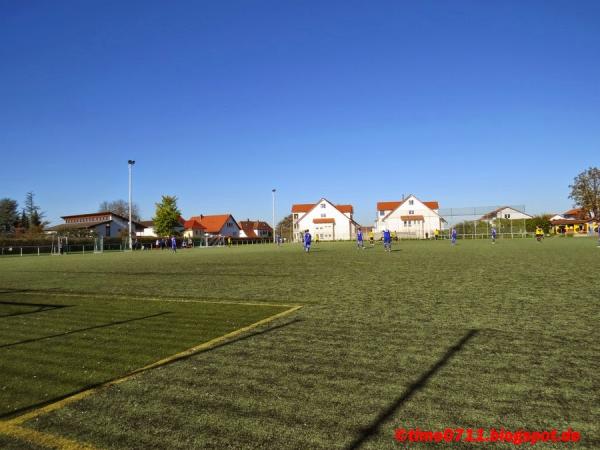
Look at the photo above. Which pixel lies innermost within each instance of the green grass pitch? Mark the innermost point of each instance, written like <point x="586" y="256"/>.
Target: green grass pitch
<point x="428" y="336"/>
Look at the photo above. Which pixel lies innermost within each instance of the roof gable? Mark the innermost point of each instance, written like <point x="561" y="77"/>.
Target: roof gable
<point x="214" y="223"/>
<point x="388" y="206"/>
<point x="343" y="209"/>
<point x="431" y="205"/>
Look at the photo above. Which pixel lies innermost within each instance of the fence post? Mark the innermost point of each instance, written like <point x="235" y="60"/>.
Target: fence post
<point x="38" y="251"/>
<point x="21" y="251"/>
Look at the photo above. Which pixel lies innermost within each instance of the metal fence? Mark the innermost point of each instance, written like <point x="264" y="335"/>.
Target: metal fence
<point x="476" y="222"/>
<point x="89" y="248"/>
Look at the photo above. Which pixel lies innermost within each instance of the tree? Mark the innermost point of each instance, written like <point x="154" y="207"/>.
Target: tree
<point x="24" y="220"/>
<point x="285" y="227"/>
<point x="121" y="207"/>
<point x="9" y="215"/>
<point x="34" y="215"/>
<point x="167" y="216"/>
<point x="542" y="221"/>
<point x="585" y="191"/>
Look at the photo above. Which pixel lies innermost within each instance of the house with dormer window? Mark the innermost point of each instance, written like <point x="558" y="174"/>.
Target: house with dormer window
<point x="409" y="218"/>
<point x="328" y="221"/>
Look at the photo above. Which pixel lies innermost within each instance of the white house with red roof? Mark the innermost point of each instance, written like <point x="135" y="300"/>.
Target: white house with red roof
<point x="409" y="218"/>
<point x="255" y="229"/>
<point x="218" y="225"/>
<point x="504" y="212"/>
<point x="324" y="219"/>
<point x="148" y="231"/>
<point x="192" y="229"/>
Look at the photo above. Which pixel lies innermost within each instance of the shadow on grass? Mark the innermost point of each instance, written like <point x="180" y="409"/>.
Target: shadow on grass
<point x="66" y="333"/>
<point x="137" y="274"/>
<point x="25" y="409"/>
<point x="373" y="428"/>
<point x="40" y="307"/>
<point x="24" y="291"/>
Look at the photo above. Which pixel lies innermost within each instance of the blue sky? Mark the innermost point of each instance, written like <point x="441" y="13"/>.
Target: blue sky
<point x="464" y="102"/>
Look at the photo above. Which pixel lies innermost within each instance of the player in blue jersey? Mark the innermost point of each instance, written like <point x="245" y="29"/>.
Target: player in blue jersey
<point x="359" y="239"/>
<point x="387" y="240"/>
<point x="307" y="241"/>
<point x="453" y="236"/>
<point x="493" y="235"/>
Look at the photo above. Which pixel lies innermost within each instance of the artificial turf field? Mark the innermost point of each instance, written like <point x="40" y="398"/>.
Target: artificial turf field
<point x="428" y="336"/>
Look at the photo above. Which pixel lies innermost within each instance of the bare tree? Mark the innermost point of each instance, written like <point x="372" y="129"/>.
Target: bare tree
<point x="585" y="191"/>
<point x="121" y="207"/>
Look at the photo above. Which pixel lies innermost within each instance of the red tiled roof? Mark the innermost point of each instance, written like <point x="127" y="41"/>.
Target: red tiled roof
<point x="412" y="218"/>
<point x="213" y="224"/>
<point x="193" y="224"/>
<point x="578" y="213"/>
<point x="101" y="213"/>
<point x="345" y="208"/>
<point x="324" y="220"/>
<point x="432" y="205"/>
<point x="255" y="225"/>
<point x="387" y="206"/>
<point x="248" y="229"/>
<point x="302" y="207"/>
<point x="306" y="207"/>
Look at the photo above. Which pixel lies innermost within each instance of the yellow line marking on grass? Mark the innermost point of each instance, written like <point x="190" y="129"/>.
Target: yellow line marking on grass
<point x="157" y="299"/>
<point x="12" y="427"/>
<point x="44" y="439"/>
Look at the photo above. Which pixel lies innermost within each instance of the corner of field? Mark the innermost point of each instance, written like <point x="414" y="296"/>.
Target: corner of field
<point x="16" y="429"/>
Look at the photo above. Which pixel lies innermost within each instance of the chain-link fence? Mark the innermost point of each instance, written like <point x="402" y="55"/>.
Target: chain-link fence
<point x="476" y="222"/>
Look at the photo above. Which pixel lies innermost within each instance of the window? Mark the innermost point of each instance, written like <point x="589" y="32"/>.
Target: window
<point x="507" y="216"/>
<point x="382" y="213"/>
<point x="295" y="226"/>
<point x="323" y="205"/>
<point x="405" y="223"/>
<point x="411" y="212"/>
<point x="323" y="215"/>
<point x="411" y="202"/>
<point x="295" y="216"/>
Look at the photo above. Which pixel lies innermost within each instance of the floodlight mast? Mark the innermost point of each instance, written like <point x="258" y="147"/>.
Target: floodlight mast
<point x="273" y="191"/>
<point x="131" y="162"/>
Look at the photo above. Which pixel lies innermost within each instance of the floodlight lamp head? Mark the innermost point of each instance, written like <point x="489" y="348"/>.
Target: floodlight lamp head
<point x="131" y="162"/>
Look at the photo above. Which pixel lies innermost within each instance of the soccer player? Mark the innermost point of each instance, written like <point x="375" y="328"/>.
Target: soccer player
<point x="307" y="241"/>
<point x="436" y="234"/>
<point x="316" y="238"/>
<point x="173" y="244"/>
<point x="387" y="240"/>
<point x="539" y="233"/>
<point x="493" y="235"/>
<point x="359" y="239"/>
<point x="372" y="238"/>
<point x="453" y="235"/>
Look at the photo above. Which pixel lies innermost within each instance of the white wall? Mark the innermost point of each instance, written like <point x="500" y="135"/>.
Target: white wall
<point x="417" y="229"/>
<point x="514" y="214"/>
<point x="342" y="229"/>
<point x="230" y="228"/>
<point x="148" y="232"/>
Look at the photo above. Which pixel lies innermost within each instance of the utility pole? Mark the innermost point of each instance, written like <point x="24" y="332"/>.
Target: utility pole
<point x="131" y="162"/>
<point x="274" y="225"/>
